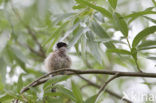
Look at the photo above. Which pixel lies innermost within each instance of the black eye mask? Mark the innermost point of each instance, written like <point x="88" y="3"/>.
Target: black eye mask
<point x="61" y="44"/>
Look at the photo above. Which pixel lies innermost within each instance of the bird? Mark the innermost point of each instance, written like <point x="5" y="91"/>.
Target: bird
<point x="58" y="59"/>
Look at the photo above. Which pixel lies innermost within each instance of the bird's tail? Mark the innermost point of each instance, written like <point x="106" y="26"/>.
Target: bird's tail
<point x="53" y="89"/>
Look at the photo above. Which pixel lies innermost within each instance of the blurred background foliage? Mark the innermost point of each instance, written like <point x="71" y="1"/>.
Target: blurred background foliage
<point x="102" y="34"/>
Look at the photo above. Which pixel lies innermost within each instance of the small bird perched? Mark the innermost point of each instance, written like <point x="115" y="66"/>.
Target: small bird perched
<point x="58" y="59"/>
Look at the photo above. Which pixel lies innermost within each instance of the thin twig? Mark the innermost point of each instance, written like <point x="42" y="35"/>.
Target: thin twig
<point x="30" y="49"/>
<point x="107" y="90"/>
<point x="136" y="62"/>
<point x="106" y="83"/>
<point x="41" y="51"/>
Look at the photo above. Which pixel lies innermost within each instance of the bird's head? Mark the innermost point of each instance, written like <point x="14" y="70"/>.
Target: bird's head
<point x="61" y="46"/>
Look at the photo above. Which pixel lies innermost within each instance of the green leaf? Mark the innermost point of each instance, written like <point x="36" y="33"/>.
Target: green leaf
<point x="134" y="53"/>
<point x="152" y="58"/>
<point x="152" y="20"/>
<point x="1" y="84"/>
<point x="78" y="6"/>
<point x="78" y="32"/>
<point x="120" y="24"/>
<point x="18" y="56"/>
<point x="108" y="40"/>
<point x="34" y="72"/>
<point x="77" y="93"/>
<point x="18" y="53"/>
<point x="149" y="9"/>
<point x="99" y="31"/>
<point x="5" y="97"/>
<point x="120" y="51"/>
<point x="66" y="92"/>
<point x="148" y="43"/>
<point x="113" y="3"/>
<point x="92" y="99"/>
<point x="93" y="46"/>
<point x="100" y="9"/>
<point x="1" y="1"/>
<point x="135" y="15"/>
<point x="19" y="83"/>
<point x="83" y="47"/>
<point x="154" y="2"/>
<point x="147" y="31"/>
<point x="55" y="34"/>
<point x="61" y="17"/>
<point x="53" y="94"/>
<point x="4" y="37"/>
<point x="55" y="80"/>
<point x="146" y="48"/>
<point x="2" y="70"/>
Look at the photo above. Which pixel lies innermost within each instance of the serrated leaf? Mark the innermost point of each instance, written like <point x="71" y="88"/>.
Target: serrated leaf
<point x="113" y="3"/>
<point x="77" y="93"/>
<point x="98" y="8"/>
<point x="120" y="24"/>
<point x="91" y="99"/>
<point x="120" y="51"/>
<point x="99" y="31"/>
<point x="147" y="31"/>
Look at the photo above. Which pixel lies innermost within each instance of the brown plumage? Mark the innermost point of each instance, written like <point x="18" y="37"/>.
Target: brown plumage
<point x="58" y="59"/>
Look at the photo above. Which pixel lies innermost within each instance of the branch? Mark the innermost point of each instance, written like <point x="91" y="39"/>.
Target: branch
<point x="108" y="91"/>
<point x="30" y="49"/>
<point x="44" y="78"/>
<point x="106" y="83"/>
<point x="75" y="72"/>
<point x="32" y="33"/>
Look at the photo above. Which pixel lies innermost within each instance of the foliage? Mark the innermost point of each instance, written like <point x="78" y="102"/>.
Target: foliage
<point x="100" y="34"/>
